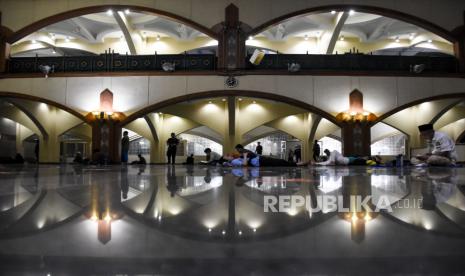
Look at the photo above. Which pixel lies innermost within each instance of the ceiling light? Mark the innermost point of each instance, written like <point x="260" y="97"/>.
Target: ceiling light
<point x="53" y="51"/>
<point x="430" y="41"/>
<point x="67" y="39"/>
<point x="109" y="12"/>
<point x="342" y="38"/>
<point x="411" y="37"/>
<point x="33" y="41"/>
<point x="254" y="102"/>
<point x="127" y="11"/>
<point x="223" y="99"/>
<point x="306" y="37"/>
<point x="209" y="102"/>
<point x="397" y="39"/>
<point x="52" y="35"/>
<point x="351" y="12"/>
<point x="223" y="232"/>
<point x="333" y="12"/>
<point x="240" y="99"/>
<point x="250" y="37"/>
<point x="158" y="37"/>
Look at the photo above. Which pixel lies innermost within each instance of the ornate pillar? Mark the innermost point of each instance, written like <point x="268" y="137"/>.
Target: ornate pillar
<point x="356" y="136"/>
<point x="231" y="43"/>
<point x="106" y="130"/>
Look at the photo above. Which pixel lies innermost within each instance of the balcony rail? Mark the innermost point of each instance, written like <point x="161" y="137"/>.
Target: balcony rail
<point x="358" y="62"/>
<point x="111" y="63"/>
<point x="207" y="62"/>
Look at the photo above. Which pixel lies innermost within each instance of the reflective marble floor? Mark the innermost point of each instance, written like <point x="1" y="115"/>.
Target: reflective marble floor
<point x="177" y="220"/>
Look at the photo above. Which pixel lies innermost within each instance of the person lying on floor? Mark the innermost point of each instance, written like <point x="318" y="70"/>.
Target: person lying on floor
<point x="443" y="148"/>
<point x="336" y="158"/>
<point x="248" y="158"/>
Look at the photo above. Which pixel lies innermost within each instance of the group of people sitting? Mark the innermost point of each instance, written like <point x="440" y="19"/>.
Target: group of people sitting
<point x="442" y="153"/>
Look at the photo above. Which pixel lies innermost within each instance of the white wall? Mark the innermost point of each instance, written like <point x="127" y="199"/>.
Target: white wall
<point x="329" y="93"/>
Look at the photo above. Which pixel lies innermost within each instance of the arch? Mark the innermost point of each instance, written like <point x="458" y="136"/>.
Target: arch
<point x="23" y="32"/>
<point x="225" y="93"/>
<point x="203" y="135"/>
<point x="399" y="130"/>
<point x="361" y="8"/>
<point x="444" y="111"/>
<point x="45" y="101"/>
<point x="266" y="134"/>
<point x="34" y="120"/>
<point x="417" y="102"/>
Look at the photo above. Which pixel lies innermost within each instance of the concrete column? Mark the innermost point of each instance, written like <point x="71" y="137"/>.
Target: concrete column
<point x="231" y="137"/>
<point x="49" y="149"/>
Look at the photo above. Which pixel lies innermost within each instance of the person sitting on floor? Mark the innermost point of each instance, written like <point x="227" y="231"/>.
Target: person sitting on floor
<point x="141" y="160"/>
<point x="19" y="159"/>
<point x="212" y="158"/>
<point x="189" y="160"/>
<point x="443" y="148"/>
<point x="78" y="158"/>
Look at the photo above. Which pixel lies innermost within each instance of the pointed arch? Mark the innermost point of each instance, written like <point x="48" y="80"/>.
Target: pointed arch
<point x="425" y="24"/>
<point x="23" y="32"/>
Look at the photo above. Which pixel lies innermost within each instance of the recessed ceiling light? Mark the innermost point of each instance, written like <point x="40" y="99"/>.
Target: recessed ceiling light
<point x="240" y="99"/>
<point x="33" y="41"/>
<point x="333" y="12"/>
<point x="430" y="41"/>
<point x="351" y="12"/>
<point x="158" y="37"/>
<point x="223" y="99"/>
<point x="411" y="37"/>
<point x="109" y="12"/>
<point x="397" y="39"/>
<point x="67" y="39"/>
<point x="127" y="11"/>
<point x="250" y="37"/>
<point x="342" y="38"/>
<point x="306" y="37"/>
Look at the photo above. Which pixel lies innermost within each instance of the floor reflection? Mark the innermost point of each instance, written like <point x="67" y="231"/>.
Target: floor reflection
<point x="216" y="205"/>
